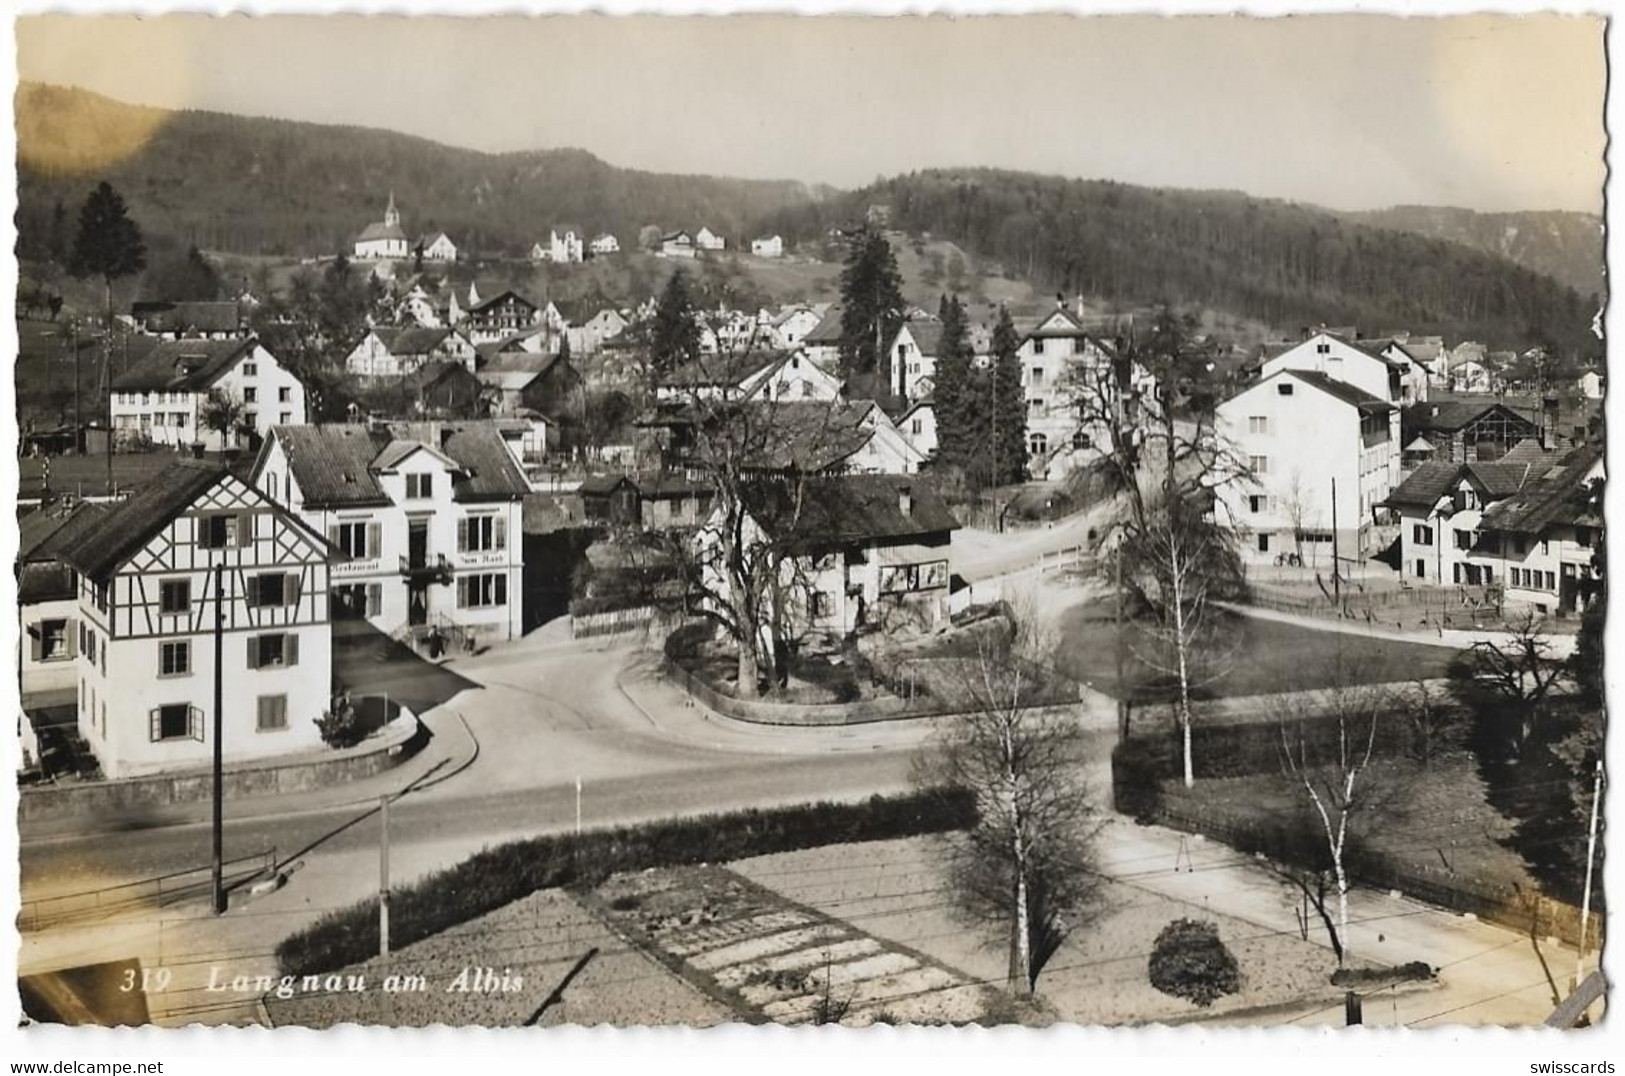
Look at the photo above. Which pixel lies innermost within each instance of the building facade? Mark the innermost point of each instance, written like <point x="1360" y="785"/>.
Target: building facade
<point x="163" y="398"/>
<point x="196" y="544"/>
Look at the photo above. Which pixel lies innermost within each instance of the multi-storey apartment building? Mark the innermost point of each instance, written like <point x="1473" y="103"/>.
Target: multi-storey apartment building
<point x="1059" y="356"/>
<point x="194" y="544"/>
<point x="428" y="517"/>
<point x="163" y="397"/>
<point x="1539" y="543"/>
<point x="1322" y="456"/>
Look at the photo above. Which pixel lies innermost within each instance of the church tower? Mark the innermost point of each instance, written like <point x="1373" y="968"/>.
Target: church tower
<point x="391" y="216"/>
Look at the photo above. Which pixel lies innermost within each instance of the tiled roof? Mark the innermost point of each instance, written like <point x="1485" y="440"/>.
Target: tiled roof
<point x="183" y="317"/>
<point x="498" y="300"/>
<point x="1447" y="415"/>
<point x="927" y="335"/>
<point x="183" y="365"/>
<point x="1560" y="495"/>
<point x="725" y="370"/>
<point x="332" y="463"/>
<point x="126" y="528"/>
<point x="828" y="329"/>
<point x="599" y="484"/>
<point x="1341" y="390"/>
<point x="412" y="340"/>
<point x="490" y="470"/>
<point x="849" y="508"/>
<point x="533" y="364"/>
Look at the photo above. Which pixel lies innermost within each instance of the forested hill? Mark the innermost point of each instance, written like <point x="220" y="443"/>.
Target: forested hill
<point x="1566" y="246"/>
<point x="1281" y="263"/>
<point x="252" y="185"/>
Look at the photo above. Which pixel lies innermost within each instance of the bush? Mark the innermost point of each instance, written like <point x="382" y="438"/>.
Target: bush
<point x="497" y="876"/>
<point x="1414" y="972"/>
<point x="1189" y="961"/>
<point x="342" y="725"/>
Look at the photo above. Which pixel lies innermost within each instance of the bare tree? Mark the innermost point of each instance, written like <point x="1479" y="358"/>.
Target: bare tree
<point x="1434" y="724"/>
<point x="223" y="412"/>
<point x="1328" y="740"/>
<point x="1149" y="401"/>
<point x="748" y="568"/>
<point x="1027" y="865"/>
<point x="1507" y="682"/>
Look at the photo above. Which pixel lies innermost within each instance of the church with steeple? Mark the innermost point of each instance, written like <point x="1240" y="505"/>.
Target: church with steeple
<point x="385" y="238"/>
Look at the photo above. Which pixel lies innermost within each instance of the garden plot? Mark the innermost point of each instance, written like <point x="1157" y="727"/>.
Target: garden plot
<point x="768" y="958"/>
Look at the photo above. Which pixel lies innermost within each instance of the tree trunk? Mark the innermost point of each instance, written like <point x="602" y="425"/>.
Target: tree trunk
<point x="1181" y="647"/>
<point x="1342" y="912"/>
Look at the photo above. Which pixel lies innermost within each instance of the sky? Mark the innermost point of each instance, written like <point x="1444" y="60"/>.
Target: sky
<point x="1490" y="112"/>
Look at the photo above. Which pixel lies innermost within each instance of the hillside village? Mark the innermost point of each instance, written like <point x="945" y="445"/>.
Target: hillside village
<point x="409" y="458"/>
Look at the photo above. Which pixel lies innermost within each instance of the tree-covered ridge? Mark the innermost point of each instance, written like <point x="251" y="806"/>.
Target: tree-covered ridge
<point x="253" y="185"/>
<point x="1285" y="264"/>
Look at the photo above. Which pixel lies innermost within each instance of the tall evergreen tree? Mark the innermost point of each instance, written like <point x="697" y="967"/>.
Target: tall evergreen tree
<point x="952" y="392"/>
<point x="675" y="339"/>
<point x="109" y="243"/>
<point x="1008" y="405"/>
<point x="872" y="301"/>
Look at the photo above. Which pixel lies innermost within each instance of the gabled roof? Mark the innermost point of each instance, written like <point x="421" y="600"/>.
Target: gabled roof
<point x="42" y="575"/>
<point x="498" y="300"/>
<point x="927" y="336"/>
<point x="184" y="365"/>
<point x="726" y="371"/>
<point x="380" y="230"/>
<point x="1070" y="325"/>
<point x="847" y="509"/>
<point x="601" y="484"/>
<point x="1559" y="495"/>
<point x="1447" y="416"/>
<point x="434" y="237"/>
<point x="828" y="329"/>
<point x="99" y="550"/>
<point x="411" y="340"/>
<point x="503" y="363"/>
<point x="184" y="317"/>
<point x="1340" y="390"/>
<point x="1495" y="480"/>
<point x="337" y="464"/>
<point x="676" y="236"/>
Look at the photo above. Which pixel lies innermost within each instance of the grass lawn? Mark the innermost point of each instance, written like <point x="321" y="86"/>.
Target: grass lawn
<point x="1435" y="822"/>
<point x="73" y="474"/>
<point x="1261" y="656"/>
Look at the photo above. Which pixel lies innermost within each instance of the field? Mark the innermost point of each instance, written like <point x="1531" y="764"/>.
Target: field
<point x="1255" y="657"/>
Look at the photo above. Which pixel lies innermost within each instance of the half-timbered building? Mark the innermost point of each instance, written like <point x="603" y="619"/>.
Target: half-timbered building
<point x="195" y="545"/>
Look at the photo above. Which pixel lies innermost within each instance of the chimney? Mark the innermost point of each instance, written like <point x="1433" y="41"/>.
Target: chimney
<point x="905" y="501"/>
<point x="1060" y="301"/>
<point x="1080" y="306"/>
<point x="1548" y="423"/>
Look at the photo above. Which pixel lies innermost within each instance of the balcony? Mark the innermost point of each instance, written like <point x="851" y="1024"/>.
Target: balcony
<point x="428" y="569"/>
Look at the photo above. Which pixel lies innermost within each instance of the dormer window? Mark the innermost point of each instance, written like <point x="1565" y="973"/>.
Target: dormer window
<point x="419" y="487"/>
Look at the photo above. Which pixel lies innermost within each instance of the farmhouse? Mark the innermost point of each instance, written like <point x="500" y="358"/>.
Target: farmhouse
<point x="437" y="247"/>
<point x="771" y="246"/>
<point x="604" y="244"/>
<point x="677" y="245"/>
<point x="706" y="239"/>
<point x="194" y="320"/>
<point x="395" y="352"/>
<point x="162" y="398"/>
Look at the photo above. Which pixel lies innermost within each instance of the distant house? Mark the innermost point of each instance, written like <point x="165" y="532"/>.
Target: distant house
<point x="706" y="239"/>
<point x="436" y="389"/>
<point x="750" y="375"/>
<point x="770" y="247"/>
<point x="437" y="247"/>
<point x="162" y="398"/>
<point x="196" y="543"/>
<point x="1057" y="353"/>
<point x="911" y="358"/>
<point x="822" y="342"/>
<point x="788" y="328"/>
<point x="1540" y="543"/>
<point x="677" y="245"/>
<point x="1592" y="384"/>
<point x="566" y="244"/>
<point x="611" y="499"/>
<point x="196" y="320"/>
<point x="395" y="352"/>
<point x="48" y="595"/>
<point x="919" y="426"/>
<point x="383" y="239"/>
<point x="868" y="548"/>
<point x="499" y="317"/>
<point x="593" y="332"/>
<point x="604" y="244"/>
<point x="519" y="379"/>
<point x="541" y="252"/>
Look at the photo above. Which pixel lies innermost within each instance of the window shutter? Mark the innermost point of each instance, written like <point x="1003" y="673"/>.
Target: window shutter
<point x="462" y="535"/>
<point x="502" y="588"/>
<point x="253" y="651"/>
<point x="290" y="649"/>
<point x="73" y="638"/>
<point x="333" y="535"/>
<point x="155" y="724"/>
<point x="375" y="598"/>
<point x="290" y="590"/>
<point x="194" y="719"/>
<point x="36" y="645"/>
<point x="245" y="529"/>
<point x="251" y="590"/>
<point x="462" y="592"/>
<point x="501" y="533"/>
<point x="375" y="539"/>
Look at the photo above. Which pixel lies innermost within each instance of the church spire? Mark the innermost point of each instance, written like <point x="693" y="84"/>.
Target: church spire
<point x="390" y="214"/>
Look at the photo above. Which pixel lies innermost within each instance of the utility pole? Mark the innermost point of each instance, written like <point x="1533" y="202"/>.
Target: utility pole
<point x="107" y="395"/>
<point x="1122" y="694"/>
<point x="78" y="428"/>
<point x="219" y="726"/>
<point x="1337" y="582"/>
<point x="383" y="876"/>
<point x="1591" y="855"/>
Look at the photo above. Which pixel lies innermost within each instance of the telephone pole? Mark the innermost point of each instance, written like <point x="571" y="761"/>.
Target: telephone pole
<point x="1591" y="856"/>
<point x="383" y="871"/>
<point x="219" y="725"/>
<point x="1337" y="581"/>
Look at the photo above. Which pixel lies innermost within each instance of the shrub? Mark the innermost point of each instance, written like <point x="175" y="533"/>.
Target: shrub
<point x="508" y="872"/>
<point x="1416" y="971"/>
<point x="1189" y="961"/>
<point x="342" y="724"/>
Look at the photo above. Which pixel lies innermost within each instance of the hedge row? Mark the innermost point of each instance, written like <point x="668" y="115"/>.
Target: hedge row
<point x="497" y="876"/>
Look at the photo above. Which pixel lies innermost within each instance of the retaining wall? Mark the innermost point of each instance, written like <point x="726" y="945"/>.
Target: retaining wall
<point x="395" y="743"/>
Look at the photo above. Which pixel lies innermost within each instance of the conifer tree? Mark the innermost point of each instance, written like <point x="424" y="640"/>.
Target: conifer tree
<point x="952" y="394"/>
<point x="675" y="338"/>
<point x="872" y="301"/>
<point x="1008" y="405"/>
<point x="109" y="243"/>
